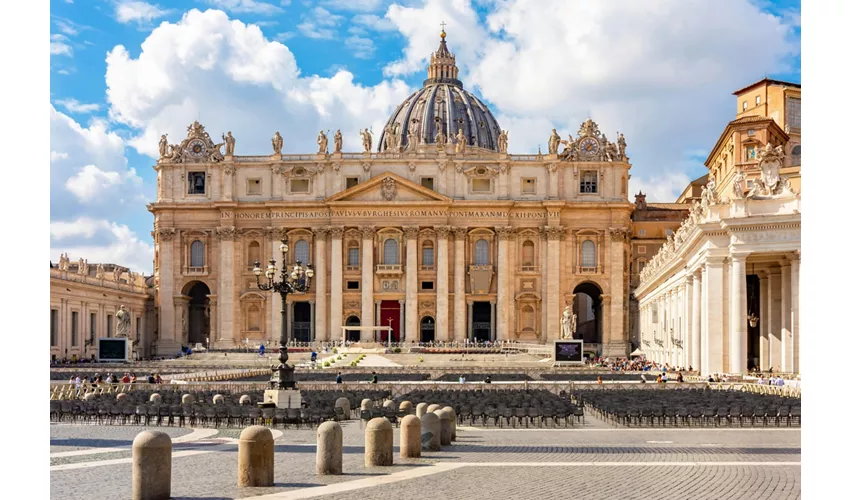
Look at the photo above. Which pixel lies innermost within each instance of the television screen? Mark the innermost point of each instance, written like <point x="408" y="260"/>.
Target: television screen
<point x="569" y="351"/>
<point x="112" y="349"/>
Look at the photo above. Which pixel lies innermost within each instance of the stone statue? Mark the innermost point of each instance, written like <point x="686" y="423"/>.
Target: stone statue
<point x="621" y="145"/>
<point x="738" y="183"/>
<point x="63" y="262"/>
<point x="184" y="326"/>
<point x="709" y="192"/>
<point x="99" y="272"/>
<point x="116" y="274"/>
<point x="176" y="154"/>
<point x="770" y="184"/>
<point x="610" y="151"/>
<point x="440" y="139"/>
<point x="461" y="142"/>
<point x="229" y="143"/>
<point x="367" y="140"/>
<point x="163" y="146"/>
<point x="215" y="152"/>
<point x="277" y="143"/>
<point x="554" y="141"/>
<point x="503" y="141"/>
<point x="122" y="328"/>
<point x="568" y="323"/>
<point x="390" y="138"/>
<point x="322" y="141"/>
<point x="81" y="266"/>
<point x="412" y="141"/>
<point x="338" y="141"/>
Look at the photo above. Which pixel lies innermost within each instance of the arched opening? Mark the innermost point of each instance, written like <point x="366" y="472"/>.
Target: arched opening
<point x="426" y="329"/>
<point x="352" y="335"/>
<point x="587" y="306"/>
<point x="482" y="252"/>
<point x="254" y="254"/>
<point x="197" y="327"/>
<point x="588" y="254"/>
<point x="527" y="317"/>
<point x="391" y="252"/>
<point x="527" y="256"/>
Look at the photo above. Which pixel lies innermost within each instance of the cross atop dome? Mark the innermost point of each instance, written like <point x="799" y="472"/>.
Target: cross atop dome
<point x="442" y="68"/>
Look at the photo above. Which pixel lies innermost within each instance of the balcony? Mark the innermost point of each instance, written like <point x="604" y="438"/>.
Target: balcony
<point x="426" y="268"/>
<point x="588" y="270"/>
<point x="529" y="269"/>
<point x="195" y="271"/>
<point x="352" y="268"/>
<point x="388" y="269"/>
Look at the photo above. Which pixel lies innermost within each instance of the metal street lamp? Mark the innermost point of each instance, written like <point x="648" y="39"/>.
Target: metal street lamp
<point x="296" y="280"/>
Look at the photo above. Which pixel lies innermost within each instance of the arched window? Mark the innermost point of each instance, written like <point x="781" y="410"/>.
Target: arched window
<point x="353" y="255"/>
<point x="302" y="251"/>
<point x="254" y="253"/>
<point x="528" y="254"/>
<point x="482" y="252"/>
<point x="196" y="258"/>
<point x="391" y="252"/>
<point x="253" y="318"/>
<point x="588" y="254"/>
<point x="428" y="253"/>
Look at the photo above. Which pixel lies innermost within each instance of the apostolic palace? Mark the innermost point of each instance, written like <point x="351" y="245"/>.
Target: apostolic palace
<point x="433" y="231"/>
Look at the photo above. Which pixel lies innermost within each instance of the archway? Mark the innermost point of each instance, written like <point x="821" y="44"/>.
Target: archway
<point x="198" y="326"/>
<point x="353" y="335"/>
<point x="587" y="305"/>
<point x="426" y="329"/>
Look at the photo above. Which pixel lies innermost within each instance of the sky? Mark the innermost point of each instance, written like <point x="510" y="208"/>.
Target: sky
<point x="125" y="72"/>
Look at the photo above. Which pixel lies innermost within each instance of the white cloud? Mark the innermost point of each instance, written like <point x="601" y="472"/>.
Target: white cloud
<point x="136" y="11"/>
<point x="361" y="47"/>
<point x="64" y="72"/>
<point x="57" y="155"/>
<point x="319" y="23"/>
<point x="247" y="6"/>
<point x="58" y="47"/>
<point x="74" y="106"/>
<point x="91" y="181"/>
<point x="660" y="187"/>
<point x="374" y="22"/>
<point x="359" y="5"/>
<point x="100" y="241"/>
<point x="67" y="27"/>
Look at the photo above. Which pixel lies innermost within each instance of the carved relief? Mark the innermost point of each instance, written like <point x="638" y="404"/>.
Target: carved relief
<point x="506" y="233"/>
<point x="388" y="189"/>
<point x="166" y="234"/>
<point x="226" y="233"/>
<point x="337" y="231"/>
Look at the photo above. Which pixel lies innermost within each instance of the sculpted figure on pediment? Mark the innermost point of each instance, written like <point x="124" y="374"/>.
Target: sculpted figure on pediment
<point x="709" y="192"/>
<point x="163" y="146"/>
<point x="338" y="141"/>
<point x="460" y="148"/>
<point x="99" y="272"/>
<point x="738" y="184"/>
<point x="503" y="141"/>
<point x="621" y="145"/>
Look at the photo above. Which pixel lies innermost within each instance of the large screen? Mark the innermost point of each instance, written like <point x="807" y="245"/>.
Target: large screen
<point x="569" y="351"/>
<point x="112" y="349"/>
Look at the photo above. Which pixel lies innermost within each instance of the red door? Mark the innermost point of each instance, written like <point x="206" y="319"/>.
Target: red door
<point x="390" y="316"/>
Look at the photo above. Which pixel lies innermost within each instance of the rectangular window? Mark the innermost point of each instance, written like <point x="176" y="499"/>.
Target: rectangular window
<point x="299" y="185"/>
<point x="792" y="112"/>
<point x="75" y="316"/>
<point x="352" y="285"/>
<point x="54" y="325"/>
<point x="92" y="327"/>
<point x="427" y="182"/>
<point x="354" y="257"/>
<point x="641" y="249"/>
<point x="480" y="185"/>
<point x="745" y="105"/>
<point x="751" y="132"/>
<point x="529" y="186"/>
<point x="588" y="182"/>
<point x="109" y="325"/>
<point x="427" y="285"/>
<point x="428" y="256"/>
<point x="758" y="100"/>
<point x="751" y="153"/>
<point x="641" y="265"/>
<point x="642" y="232"/>
<point x="350" y="182"/>
<point x="197" y="182"/>
<point x="255" y="187"/>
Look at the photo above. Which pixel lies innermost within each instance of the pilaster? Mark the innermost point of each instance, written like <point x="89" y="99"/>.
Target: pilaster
<point x="367" y="276"/>
<point x="442" y="323"/>
<point x="336" y="282"/>
<point x="460" y="331"/>
<point x="411" y="292"/>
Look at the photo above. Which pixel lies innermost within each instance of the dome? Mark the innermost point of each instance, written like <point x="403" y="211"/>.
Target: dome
<point x="441" y="105"/>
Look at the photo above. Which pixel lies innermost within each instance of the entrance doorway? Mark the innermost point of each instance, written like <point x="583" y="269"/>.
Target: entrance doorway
<point x="198" y="327"/>
<point x="301" y="322"/>
<point x="587" y="306"/>
<point x="753" y="332"/>
<point x="352" y="335"/>
<point x="426" y="329"/>
<point x="390" y="316"/>
<point x="481" y="326"/>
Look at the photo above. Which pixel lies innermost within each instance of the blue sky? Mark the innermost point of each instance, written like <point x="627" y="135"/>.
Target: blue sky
<point x="123" y="72"/>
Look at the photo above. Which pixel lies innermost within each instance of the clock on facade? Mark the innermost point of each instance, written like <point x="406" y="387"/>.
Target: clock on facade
<point x="197" y="148"/>
<point x="588" y="146"/>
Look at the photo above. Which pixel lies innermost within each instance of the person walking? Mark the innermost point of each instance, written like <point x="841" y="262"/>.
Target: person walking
<point x="338" y="377"/>
<point x="374" y="378"/>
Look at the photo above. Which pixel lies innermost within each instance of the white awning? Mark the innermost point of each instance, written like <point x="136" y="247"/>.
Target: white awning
<point x="637" y="352"/>
<point x="367" y="328"/>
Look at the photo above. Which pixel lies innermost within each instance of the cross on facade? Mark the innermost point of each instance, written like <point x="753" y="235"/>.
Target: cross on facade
<point x="443" y="25"/>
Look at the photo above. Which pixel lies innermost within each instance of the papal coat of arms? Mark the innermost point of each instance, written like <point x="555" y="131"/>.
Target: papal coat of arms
<point x="770" y="184"/>
<point x="388" y="188"/>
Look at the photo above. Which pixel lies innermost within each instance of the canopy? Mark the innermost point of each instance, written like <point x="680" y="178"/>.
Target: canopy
<point x="637" y="352"/>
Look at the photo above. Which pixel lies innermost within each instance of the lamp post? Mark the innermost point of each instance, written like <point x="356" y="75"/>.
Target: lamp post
<point x="296" y="280"/>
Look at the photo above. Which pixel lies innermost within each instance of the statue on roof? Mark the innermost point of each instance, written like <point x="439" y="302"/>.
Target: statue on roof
<point x="503" y="141"/>
<point x="390" y="138"/>
<point x="621" y="145"/>
<point x="709" y="192"/>
<point x="738" y="183"/>
<point x="338" y="141"/>
<point x="366" y="134"/>
<point x="229" y="143"/>
<point x="99" y="272"/>
<point x="163" y="146"/>
<point x="460" y="148"/>
<point x="440" y="139"/>
<point x="554" y="141"/>
<point x="122" y="327"/>
<point x="322" y="141"/>
<point x="277" y="143"/>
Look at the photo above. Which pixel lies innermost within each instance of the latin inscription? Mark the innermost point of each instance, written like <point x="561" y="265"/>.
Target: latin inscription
<point x="378" y="213"/>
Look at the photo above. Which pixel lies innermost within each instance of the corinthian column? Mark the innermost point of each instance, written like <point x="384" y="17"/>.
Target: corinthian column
<point x="166" y="344"/>
<point x="738" y="315"/>
<point x="503" y="299"/>
<point x="411" y="288"/>
<point x="696" y="322"/>
<point x="552" y="325"/>
<point x="616" y="333"/>
<point x="336" y="282"/>
<point x="321" y="284"/>
<point x="367" y="277"/>
<point x="442" y="324"/>
<point x="226" y="289"/>
<point x="460" y="332"/>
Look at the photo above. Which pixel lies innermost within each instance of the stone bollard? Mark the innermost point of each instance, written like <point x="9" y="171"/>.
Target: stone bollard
<point x="155" y="398"/>
<point x="445" y="427"/>
<point x="430" y="432"/>
<point x="244" y="400"/>
<point x="406" y="407"/>
<point x="329" y="449"/>
<point x="187" y="399"/>
<point x="121" y="396"/>
<point x="151" y="466"/>
<point x="367" y="404"/>
<point x="255" y="457"/>
<point x="411" y="437"/>
<point x="345" y="404"/>
<point x="379" y="443"/>
<point x="433" y="408"/>
<point x="452" y="422"/>
<point x="421" y="409"/>
<point x="389" y="405"/>
<point x="218" y="399"/>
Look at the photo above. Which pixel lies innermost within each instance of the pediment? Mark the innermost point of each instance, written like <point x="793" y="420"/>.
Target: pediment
<point x="388" y="187"/>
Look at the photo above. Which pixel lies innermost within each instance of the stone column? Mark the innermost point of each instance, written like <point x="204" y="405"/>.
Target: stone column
<point x="795" y="312"/>
<point x="321" y="311"/>
<point x="504" y="301"/>
<point x="696" y="321"/>
<point x="312" y="320"/>
<point x="166" y="343"/>
<point x="411" y="291"/>
<point x="787" y="356"/>
<point x="402" y="332"/>
<point x="460" y="285"/>
<point x="469" y="320"/>
<point x="275" y="234"/>
<point x="374" y="334"/>
<point x="616" y="333"/>
<point x="552" y="323"/>
<point x="764" y="339"/>
<point x="367" y="276"/>
<point x="336" y="283"/>
<point x="493" y="315"/>
<point x="668" y="327"/>
<point x="714" y="314"/>
<point x="227" y="286"/>
<point x="774" y="319"/>
<point x="552" y="168"/>
<point x="686" y="321"/>
<point x="738" y="314"/>
<point x="442" y="320"/>
<point x="277" y="182"/>
<point x="229" y="172"/>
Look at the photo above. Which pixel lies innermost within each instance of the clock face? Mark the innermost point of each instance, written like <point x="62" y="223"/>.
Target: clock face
<point x="589" y="146"/>
<point x="197" y="148"/>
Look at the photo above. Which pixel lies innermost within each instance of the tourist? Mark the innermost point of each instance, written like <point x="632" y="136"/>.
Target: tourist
<point x="125" y="379"/>
<point x="109" y="378"/>
<point x="461" y="380"/>
<point x="680" y="378"/>
<point x="658" y="379"/>
<point x="599" y="380"/>
<point x="151" y="379"/>
<point x="642" y="378"/>
<point x="779" y="381"/>
<point x="374" y="378"/>
<point x="338" y="377"/>
<point x="664" y="378"/>
<point x="133" y="378"/>
<point x="711" y="378"/>
<point x="157" y="379"/>
<point x="78" y="382"/>
<point x="262" y="349"/>
<point x="487" y="380"/>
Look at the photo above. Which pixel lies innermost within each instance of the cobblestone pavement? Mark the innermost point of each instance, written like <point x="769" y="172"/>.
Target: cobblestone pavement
<point x="593" y="462"/>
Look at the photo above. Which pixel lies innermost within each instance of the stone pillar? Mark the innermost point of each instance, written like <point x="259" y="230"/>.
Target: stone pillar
<point x="442" y="320"/>
<point x="552" y="168"/>
<point x="411" y="292"/>
<point x="492" y="315"/>
<point x="774" y="319"/>
<point x="504" y="274"/>
<point x="764" y="339"/>
<point x="695" y="317"/>
<point x="552" y="325"/>
<point x="795" y="313"/>
<point x="336" y="283"/>
<point x="714" y="313"/>
<point x="379" y="443"/>
<point x="167" y="343"/>
<point x="787" y="340"/>
<point x="430" y="437"/>
<point x="227" y="286"/>
<point x="329" y="449"/>
<point x="469" y="319"/>
<point x="151" y="466"/>
<point x="255" y="460"/>
<point x="227" y="180"/>
<point x="616" y="332"/>
<point x="321" y="328"/>
<point x="668" y="321"/>
<point x="738" y="314"/>
<point x="402" y="332"/>
<point x="460" y="332"/>
<point x="371" y="336"/>
<point x="367" y="276"/>
<point x="411" y="437"/>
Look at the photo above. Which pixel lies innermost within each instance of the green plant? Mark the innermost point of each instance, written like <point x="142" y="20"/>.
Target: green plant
<point x="353" y="363"/>
<point x="397" y="350"/>
<point x="326" y="364"/>
<point x="420" y="360"/>
<point x="335" y="350"/>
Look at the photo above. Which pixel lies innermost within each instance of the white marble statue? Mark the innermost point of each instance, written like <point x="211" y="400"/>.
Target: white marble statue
<point x="322" y="141"/>
<point x="621" y="145"/>
<point x="709" y="192"/>
<point x="163" y="146"/>
<point x="99" y="272"/>
<point x="338" y="141"/>
<point x="229" y="143"/>
<point x="460" y="148"/>
<point x="554" y="141"/>
<point x="440" y="140"/>
<point x="738" y="183"/>
<point x="503" y="141"/>
<point x="277" y="143"/>
<point x="367" y="140"/>
<point x="122" y="317"/>
<point x="568" y="323"/>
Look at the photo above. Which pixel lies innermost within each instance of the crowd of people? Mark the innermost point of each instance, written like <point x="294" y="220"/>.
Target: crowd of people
<point x="127" y="378"/>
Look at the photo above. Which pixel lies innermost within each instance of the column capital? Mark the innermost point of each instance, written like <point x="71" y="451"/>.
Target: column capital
<point x="604" y="298"/>
<point x="367" y="232"/>
<point x="460" y="233"/>
<point x="552" y="233"/>
<point x="275" y="232"/>
<point x="506" y="233"/>
<point x="618" y="234"/>
<point x="321" y="232"/>
<point x="226" y="233"/>
<point x="311" y="301"/>
<point x="689" y="279"/>
<point x="739" y="256"/>
<point x="410" y="232"/>
<point x="400" y="301"/>
<point x="336" y="231"/>
<point x="443" y="231"/>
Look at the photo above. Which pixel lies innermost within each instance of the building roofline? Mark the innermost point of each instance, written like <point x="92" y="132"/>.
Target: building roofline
<point x="767" y="81"/>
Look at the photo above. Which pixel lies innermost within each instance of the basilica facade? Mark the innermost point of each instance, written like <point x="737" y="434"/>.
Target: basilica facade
<point x="440" y="234"/>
